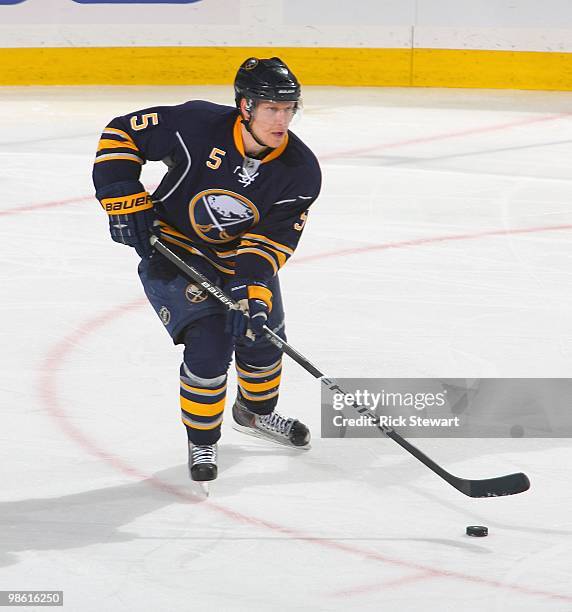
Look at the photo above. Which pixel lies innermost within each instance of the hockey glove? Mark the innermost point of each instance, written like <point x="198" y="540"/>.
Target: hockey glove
<point x="131" y="216"/>
<point x="255" y="301"/>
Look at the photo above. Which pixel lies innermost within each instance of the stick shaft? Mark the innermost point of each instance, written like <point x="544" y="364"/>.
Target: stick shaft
<point x="504" y="485"/>
<point x="232" y="305"/>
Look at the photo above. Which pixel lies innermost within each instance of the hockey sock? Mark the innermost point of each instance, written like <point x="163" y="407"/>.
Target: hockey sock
<point x="259" y="386"/>
<point x="202" y="406"/>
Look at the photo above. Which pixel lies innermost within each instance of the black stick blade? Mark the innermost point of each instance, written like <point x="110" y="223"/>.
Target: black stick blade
<point x="511" y="484"/>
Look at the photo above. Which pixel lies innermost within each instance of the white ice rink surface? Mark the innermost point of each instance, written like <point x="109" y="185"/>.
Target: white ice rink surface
<point x="440" y="246"/>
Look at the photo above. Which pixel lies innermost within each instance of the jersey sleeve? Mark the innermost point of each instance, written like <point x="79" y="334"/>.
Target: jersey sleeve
<point x="268" y="245"/>
<point x="126" y="143"/>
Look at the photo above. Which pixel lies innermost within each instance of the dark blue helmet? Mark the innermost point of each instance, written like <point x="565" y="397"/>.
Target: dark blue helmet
<point x="266" y="79"/>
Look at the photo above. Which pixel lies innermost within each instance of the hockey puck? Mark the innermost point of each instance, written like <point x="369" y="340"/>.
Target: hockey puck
<point x="477" y="531"/>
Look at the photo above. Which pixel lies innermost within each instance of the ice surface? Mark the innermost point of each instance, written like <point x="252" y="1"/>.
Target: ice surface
<point x="440" y="246"/>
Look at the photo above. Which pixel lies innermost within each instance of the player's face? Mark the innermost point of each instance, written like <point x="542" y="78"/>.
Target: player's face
<point x="270" y="121"/>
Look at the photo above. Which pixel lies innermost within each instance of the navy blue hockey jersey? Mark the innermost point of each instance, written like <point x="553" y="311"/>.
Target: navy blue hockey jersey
<point x="244" y="215"/>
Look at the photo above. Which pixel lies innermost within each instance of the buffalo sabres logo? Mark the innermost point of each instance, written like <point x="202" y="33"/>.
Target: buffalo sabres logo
<point x="250" y="63"/>
<point x="195" y="294"/>
<point x="218" y="215"/>
<point x="165" y="315"/>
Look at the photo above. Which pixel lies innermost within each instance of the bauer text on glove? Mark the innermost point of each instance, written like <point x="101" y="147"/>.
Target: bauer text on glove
<point x="131" y="215"/>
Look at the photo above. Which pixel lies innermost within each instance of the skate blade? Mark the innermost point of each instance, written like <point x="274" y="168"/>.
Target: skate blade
<point x="201" y="485"/>
<point x="255" y="433"/>
<point x="204" y="486"/>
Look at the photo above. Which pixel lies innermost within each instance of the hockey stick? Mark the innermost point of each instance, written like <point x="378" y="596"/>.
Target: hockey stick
<point x="488" y="487"/>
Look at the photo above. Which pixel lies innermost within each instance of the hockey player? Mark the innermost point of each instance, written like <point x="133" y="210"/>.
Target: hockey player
<point x="233" y="203"/>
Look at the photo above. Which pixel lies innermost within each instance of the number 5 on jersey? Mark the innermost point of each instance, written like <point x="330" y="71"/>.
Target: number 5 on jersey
<point x="140" y="122"/>
<point x="303" y="218"/>
<point x="215" y="158"/>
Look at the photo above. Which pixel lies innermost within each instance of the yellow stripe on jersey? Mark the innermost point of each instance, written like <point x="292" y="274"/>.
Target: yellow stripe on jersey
<point x="262" y="254"/>
<point x="261" y="238"/>
<point x="224" y="254"/>
<point x="110" y="130"/>
<point x="181" y="244"/>
<point x="195" y="251"/>
<point x="107" y="143"/>
<point x="280" y="257"/>
<point x="207" y="410"/>
<point x="167" y="230"/>
<point x="115" y="156"/>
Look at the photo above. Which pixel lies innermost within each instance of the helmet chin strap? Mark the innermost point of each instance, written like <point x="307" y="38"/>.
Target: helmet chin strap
<point x="246" y="123"/>
<point x="249" y="130"/>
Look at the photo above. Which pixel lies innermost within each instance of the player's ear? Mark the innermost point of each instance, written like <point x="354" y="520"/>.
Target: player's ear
<point x="244" y="109"/>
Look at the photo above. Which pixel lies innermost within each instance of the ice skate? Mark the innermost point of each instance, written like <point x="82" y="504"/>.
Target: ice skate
<point x="273" y="427"/>
<point x="202" y="464"/>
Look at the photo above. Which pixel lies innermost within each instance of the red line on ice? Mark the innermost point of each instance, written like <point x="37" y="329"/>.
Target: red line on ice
<point x="445" y="136"/>
<point x="383" y="585"/>
<point x="432" y="240"/>
<point x="53" y="204"/>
